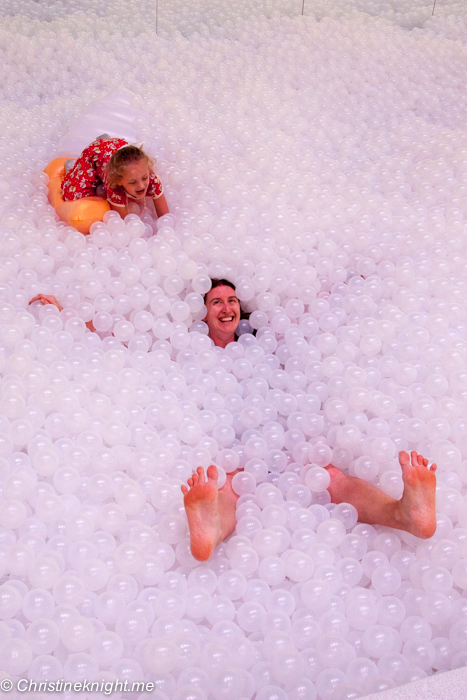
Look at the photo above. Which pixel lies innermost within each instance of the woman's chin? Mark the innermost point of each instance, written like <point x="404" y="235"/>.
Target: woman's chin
<point x="228" y="329"/>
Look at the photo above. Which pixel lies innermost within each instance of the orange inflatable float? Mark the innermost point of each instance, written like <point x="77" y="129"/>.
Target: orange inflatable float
<point x="80" y="213"/>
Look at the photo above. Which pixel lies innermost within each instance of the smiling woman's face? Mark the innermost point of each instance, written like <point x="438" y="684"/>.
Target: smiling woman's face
<point x="223" y="314"/>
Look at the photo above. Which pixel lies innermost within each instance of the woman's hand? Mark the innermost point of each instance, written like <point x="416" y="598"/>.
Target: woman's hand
<point x="47" y="299"/>
<point x="50" y="299"/>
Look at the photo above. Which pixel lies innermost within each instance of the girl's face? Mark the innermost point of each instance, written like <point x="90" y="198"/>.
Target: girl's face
<point x="135" y="179"/>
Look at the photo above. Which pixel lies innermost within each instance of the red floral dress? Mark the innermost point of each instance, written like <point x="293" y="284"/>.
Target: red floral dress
<point x="90" y="171"/>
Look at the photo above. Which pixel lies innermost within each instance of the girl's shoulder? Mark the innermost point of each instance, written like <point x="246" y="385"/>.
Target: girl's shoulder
<point x="115" y="143"/>
<point x="105" y="148"/>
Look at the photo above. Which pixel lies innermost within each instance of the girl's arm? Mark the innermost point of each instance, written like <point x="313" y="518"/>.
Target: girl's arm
<point x="161" y="205"/>
<point x="123" y="211"/>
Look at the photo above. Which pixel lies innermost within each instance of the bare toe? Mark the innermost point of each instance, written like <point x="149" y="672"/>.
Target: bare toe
<point x="201" y="475"/>
<point x="404" y="458"/>
<point x="212" y="473"/>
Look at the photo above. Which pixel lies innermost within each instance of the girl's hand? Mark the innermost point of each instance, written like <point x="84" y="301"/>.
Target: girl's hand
<point x="47" y="299"/>
<point x="161" y="206"/>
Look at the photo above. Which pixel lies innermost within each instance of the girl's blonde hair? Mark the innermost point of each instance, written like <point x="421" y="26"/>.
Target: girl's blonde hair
<point x="124" y="157"/>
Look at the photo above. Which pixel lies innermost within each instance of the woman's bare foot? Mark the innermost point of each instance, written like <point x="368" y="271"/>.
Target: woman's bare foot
<point x="414" y="512"/>
<point x="202" y="510"/>
<point x="416" y="509"/>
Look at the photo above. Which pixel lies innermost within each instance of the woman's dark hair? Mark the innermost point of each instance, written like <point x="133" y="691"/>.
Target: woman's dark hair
<point x="219" y="283"/>
<point x="244" y="315"/>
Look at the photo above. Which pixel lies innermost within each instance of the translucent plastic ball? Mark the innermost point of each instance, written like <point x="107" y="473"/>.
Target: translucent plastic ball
<point x="331" y="532"/>
<point x="77" y="634"/>
<point x="94" y="573"/>
<point x="391" y="611"/>
<point x="250" y="616"/>
<point x="198" y="602"/>
<point x="45" y="668"/>
<point x="386" y="579"/>
<point x="333" y="651"/>
<point x="16" y="656"/>
<point x="271" y="692"/>
<point x="328" y="682"/>
<point x="266" y="542"/>
<point x="346" y="514"/>
<point x="360" y="670"/>
<point x="317" y="479"/>
<point x="288" y="667"/>
<point x="303" y="689"/>
<point x="437" y="579"/>
<point x="69" y="589"/>
<point x="38" y="603"/>
<point x="419" y="652"/>
<point x="299" y="566"/>
<point x="379" y="640"/>
<point x="459" y="574"/>
<point x="316" y="595"/>
<point x="108" y="606"/>
<point x="10" y="601"/>
<point x="272" y="570"/>
<point x="362" y="613"/>
<point x="43" y="636"/>
<point x="444" y="652"/>
<point x="80" y="666"/>
<point x="106" y="648"/>
<point x="160" y="655"/>
<point x="243" y="482"/>
<point x="458" y="635"/>
<point x="227" y="683"/>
